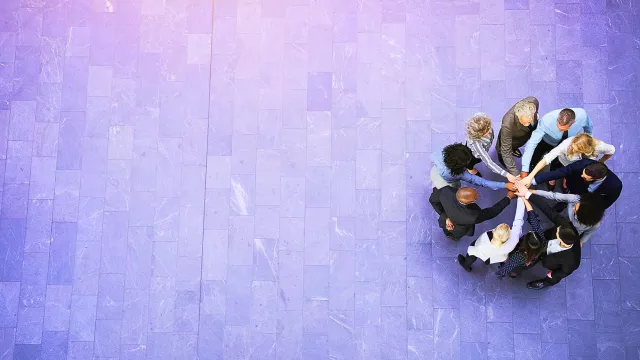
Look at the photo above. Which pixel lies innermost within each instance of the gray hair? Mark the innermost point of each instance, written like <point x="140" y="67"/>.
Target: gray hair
<point x="525" y="109"/>
<point x="478" y="125"/>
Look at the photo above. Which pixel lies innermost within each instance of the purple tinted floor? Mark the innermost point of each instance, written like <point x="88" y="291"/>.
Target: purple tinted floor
<point x="255" y="187"/>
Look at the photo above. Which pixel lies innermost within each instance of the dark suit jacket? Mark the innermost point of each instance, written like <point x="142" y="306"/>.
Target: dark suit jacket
<point x="610" y="188"/>
<point x="513" y="135"/>
<point x="464" y="217"/>
<point x="563" y="263"/>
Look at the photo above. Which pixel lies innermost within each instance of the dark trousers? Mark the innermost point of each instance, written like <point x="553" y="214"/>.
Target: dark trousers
<point x="539" y="152"/>
<point x="470" y="259"/>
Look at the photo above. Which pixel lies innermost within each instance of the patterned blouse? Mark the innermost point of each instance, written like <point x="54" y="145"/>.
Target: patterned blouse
<point x="518" y="259"/>
<point x="480" y="149"/>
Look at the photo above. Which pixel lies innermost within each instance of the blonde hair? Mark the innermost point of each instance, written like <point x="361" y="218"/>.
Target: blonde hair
<point x="478" y="125"/>
<point x="582" y="144"/>
<point x="500" y="235"/>
<point x="525" y="109"/>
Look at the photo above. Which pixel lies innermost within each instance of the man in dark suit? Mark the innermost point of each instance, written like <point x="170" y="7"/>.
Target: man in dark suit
<point x="563" y="251"/>
<point x="459" y="212"/>
<point x="517" y="125"/>
<point x="586" y="175"/>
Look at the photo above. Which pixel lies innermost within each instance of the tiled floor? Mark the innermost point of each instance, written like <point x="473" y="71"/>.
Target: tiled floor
<point x="256" y="187"/>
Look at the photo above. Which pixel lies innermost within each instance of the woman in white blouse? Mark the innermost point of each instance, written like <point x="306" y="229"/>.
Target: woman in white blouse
<point x="495" y="245"/>
<point x="581" y="146"/>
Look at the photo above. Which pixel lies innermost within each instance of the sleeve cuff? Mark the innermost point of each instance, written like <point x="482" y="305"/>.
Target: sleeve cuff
<point x="533" y="181"/>
<point x="528" y="195"/>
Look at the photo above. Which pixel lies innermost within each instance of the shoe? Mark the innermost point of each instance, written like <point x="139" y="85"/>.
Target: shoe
<point x="536" y="285"/>
<point x="517" y="153"/>
<point x="478" y="174"/>
<point x="461" y="262"/>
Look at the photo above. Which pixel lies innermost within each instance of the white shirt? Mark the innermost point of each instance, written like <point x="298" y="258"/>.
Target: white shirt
<point x="553" y="246"/>
<point x="561" y="151"/>
<point x="484" y="249"/>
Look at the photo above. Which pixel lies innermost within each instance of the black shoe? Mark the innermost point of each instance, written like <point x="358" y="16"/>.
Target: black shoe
<point x="478" y="174"/>
<point x="517" y="153"/>
<point x="461" y="262"/>
<point x="536" y="285"/>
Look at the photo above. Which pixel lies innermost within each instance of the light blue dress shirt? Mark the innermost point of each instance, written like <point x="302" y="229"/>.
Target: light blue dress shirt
<point x="548" y="132"/>
<point x="596" y="184"/>
<point x="438" y="161"/>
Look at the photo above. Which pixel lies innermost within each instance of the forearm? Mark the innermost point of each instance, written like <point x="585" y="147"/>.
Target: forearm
<point x="541" y="164"/>
<point x="495" y="210"/>
<point x="605" y="157"/>
<point x="476" y="180"/>
<point x="484" y="156"/>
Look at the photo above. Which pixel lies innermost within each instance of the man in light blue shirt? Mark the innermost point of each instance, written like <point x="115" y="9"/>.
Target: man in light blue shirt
<point x="450" y="166"/>
<point x="553" y="128"/>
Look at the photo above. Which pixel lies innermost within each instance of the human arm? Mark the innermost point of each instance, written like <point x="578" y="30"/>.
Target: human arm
<point x="476" y="180"/>
<point x="568" y="198"/>
<point x="531" y="145"/>
<point x="563" y="172"/>
<point x="544" y="207"/>
<point x="493" y="211"/>
<point x="607" y="150"/>
<point x="534" y="220"/>
<point x="516" y="227"/>
<point x="477" y="148"/>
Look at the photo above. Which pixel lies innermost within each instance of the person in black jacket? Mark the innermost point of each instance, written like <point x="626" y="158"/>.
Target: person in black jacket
<point x="458" y="211"/>
<point x="586" y="175"/>
<point x="562" y="251"/>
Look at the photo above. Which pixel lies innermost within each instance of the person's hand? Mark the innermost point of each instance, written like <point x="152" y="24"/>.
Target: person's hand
<point x="549" y="274"/>
<point x="511" y="195"/>
<point x="521" y="189"/>
<point x="527" y="180"/>
<point x="512" y="178"/>
<point x="523" y="174"/>
<point x="510" y="186"/>
<point x="449" y="225"/>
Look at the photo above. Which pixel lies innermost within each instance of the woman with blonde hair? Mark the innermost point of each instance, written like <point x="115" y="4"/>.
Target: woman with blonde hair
<point x="581" y="146"/>
<point x="479" y="139"/>
<point x="495" y="245"/>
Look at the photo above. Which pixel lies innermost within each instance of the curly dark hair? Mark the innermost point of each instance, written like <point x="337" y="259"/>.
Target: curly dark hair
<point x="591" y="209"/>
<point x="531" y="245"/>
<point x="456" y="157"/>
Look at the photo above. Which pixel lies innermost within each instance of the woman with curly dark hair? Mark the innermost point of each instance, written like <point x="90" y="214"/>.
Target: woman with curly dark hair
<point x="450" y="166"/>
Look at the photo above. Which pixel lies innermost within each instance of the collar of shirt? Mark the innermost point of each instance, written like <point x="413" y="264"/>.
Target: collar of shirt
<point x="596" y="184"/>
<point x="553" y="246"/>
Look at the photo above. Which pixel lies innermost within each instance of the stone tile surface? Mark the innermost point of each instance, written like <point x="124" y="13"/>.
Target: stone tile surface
<point x="249" y="179"/>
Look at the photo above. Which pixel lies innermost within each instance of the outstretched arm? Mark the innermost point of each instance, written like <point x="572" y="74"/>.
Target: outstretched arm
<point x="484" y="156"/>
<point x="493" y="211"/>
<point x="563" y="172"/>
<point x="516" y="227"/>
<point x="477" y="180"/>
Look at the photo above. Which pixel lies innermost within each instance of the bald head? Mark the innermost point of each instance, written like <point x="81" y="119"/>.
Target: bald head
<point x="466" y="195"/>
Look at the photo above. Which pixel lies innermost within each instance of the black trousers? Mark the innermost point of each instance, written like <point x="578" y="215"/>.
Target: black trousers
<point x="539" y="152"/>
<point x="470" y="259"/>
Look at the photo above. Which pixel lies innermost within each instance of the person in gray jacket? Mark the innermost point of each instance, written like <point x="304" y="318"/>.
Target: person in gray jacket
<point x="517" y="126"/>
